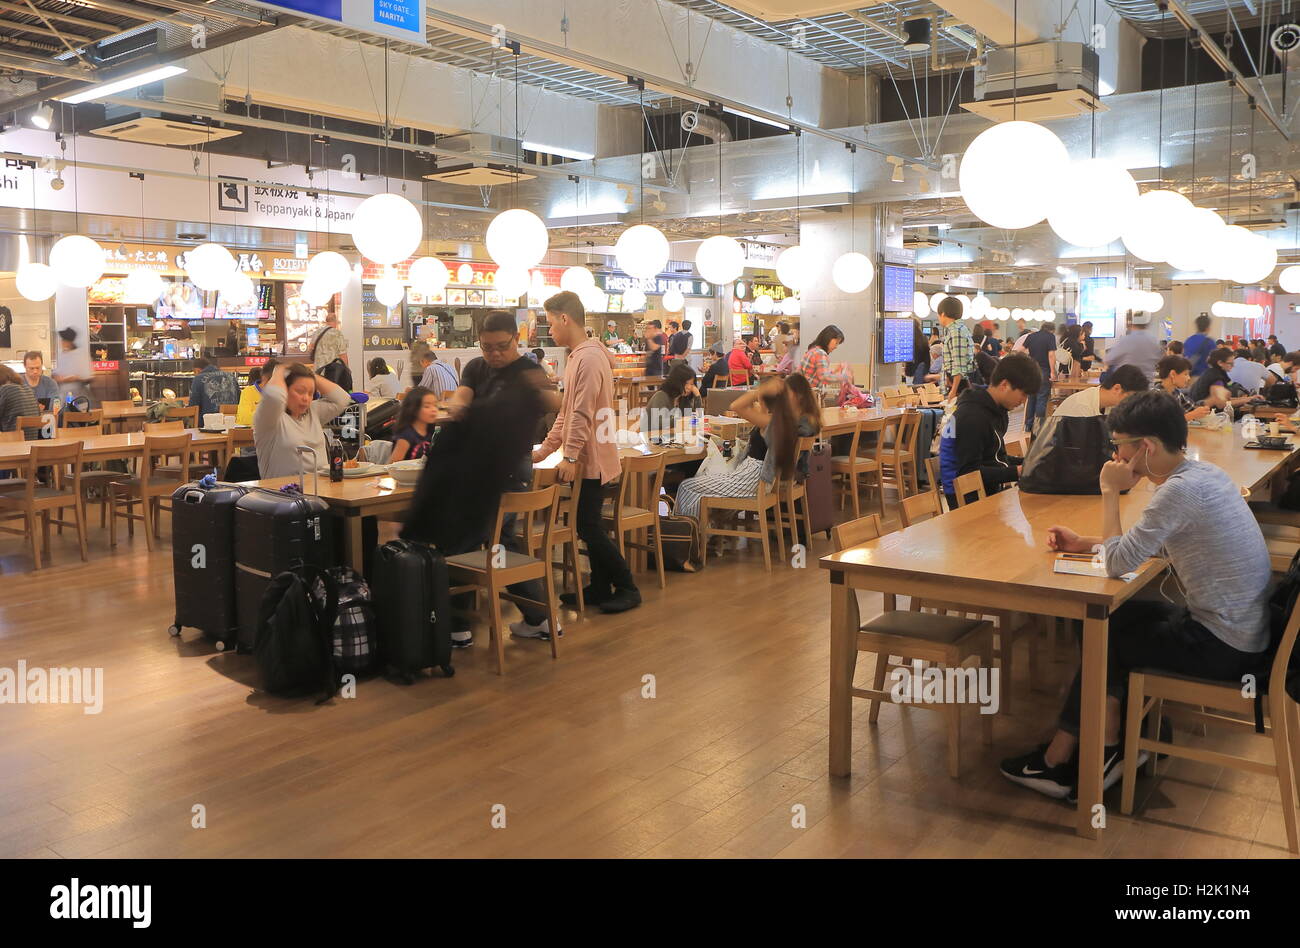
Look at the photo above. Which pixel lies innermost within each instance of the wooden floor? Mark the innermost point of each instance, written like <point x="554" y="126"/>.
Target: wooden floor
<point x="582" y="763"/>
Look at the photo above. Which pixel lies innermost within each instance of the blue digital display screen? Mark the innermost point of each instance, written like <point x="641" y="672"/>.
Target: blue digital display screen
<point x="896" y="340"/>
<point x="898" y="288"/>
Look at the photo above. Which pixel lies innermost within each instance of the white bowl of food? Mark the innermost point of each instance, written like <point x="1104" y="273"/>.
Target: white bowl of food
<point x="406" y="472"/>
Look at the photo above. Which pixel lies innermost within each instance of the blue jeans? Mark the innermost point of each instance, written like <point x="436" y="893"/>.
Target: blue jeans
<point x="1039" y="405"/>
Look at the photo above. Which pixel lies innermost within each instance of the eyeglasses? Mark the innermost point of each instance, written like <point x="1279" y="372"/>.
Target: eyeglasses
<point x="497" y="347"/>
<point x="1118" y="441"/>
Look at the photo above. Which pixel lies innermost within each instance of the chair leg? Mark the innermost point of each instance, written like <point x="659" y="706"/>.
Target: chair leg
<point x="855" y="489"/>
<point x="35" y="534"/>
<point x="1133" y="724"/>
<point x="1006" y="654"/>
<point x="577" y="576"/>
<point x="80" y="507"/>
<point x="1282" y="756"/>
<point x="659" y="552"/>
<point x="953" y="713"/>
<point x="146" y="509"/>
<point x="1293" y="709"/>
<point x="552" y="613"/>
<point x="807" y="522"/>
<point x="45" y="528"/>
<point x="878" y="683"/>
<point x="704" y="532"/>
<point x="157" y="517"/>
<point x="766" y="540"/>
<point x="112" y="519"/>
<point x="494" y="617"/>
<point x="880" y="489"/>
<point x="986" y="720"/>
<point x="1157" y="710"/>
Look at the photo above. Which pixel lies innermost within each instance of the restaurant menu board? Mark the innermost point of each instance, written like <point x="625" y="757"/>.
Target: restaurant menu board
<point x="896" y="340"/>
<point x="258" y="308"/>
<point x="180" y="299"/>
<point x="375" y="315"/>
<point x="302" y="321"/>
<point x="897" y="288"/>
<point x="1097" y="305"/>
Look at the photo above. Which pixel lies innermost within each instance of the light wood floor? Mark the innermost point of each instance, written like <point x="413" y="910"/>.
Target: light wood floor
<point x="584" y="766"/>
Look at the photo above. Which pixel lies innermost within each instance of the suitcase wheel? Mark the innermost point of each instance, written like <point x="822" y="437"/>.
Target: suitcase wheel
<point x="173" y="630"/>
<point x="448" y="671"/>
<point x="221" y="645"/>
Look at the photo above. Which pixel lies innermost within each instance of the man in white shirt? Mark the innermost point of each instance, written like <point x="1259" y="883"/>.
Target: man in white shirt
<point x="1115" y="386"/>
<point x="1249" y="374"/>
<point x="1285" y="367"/>
<point x="1137" y="347"/>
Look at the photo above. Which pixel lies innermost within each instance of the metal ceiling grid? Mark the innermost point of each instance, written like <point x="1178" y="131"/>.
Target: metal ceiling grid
<point x="1214" y="15"/>
<point x="837" y="40"/>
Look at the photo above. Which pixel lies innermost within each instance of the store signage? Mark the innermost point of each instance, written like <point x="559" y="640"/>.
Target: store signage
<point x="385" y="339"/>
<point x="778" y="291"/>
<point x="621" y="283"/>
<point x="760" y="255"/>
<point x="1263" y="327"/>
<point x="109" y="366"/>
<point x="256" y="360"/>
<point x="397" y="19"/>
<point x="899" y="255"/>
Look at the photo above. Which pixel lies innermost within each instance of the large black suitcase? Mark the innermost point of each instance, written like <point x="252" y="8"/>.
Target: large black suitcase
<point x="381" y="417"/>
<point x="203" y="560"/>
<point x="275" y="532"/>
<point x="413" y="607"/>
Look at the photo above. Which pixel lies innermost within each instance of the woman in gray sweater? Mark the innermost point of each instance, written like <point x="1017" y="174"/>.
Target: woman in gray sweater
<point x="289" y="416"/>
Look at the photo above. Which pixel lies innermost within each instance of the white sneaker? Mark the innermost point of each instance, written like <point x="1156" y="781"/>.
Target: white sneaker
<point x="523" y="630"/>
<point x="463" y="639"/>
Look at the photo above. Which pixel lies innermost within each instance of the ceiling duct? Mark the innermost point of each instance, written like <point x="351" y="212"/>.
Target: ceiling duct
<point x="1037" y="83"/>
<point x="706" y="126"/>
<point x="146" y="130"/>
<point x="921" y="239"/>
<point x="477" y="172"/>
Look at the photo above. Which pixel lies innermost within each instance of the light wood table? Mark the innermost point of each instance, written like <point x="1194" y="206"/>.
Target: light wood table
<point x="120" y="415"/>
<point x="103" y="447"/>
<point x="1069" y="386"/>
<point x="993" y="554"/>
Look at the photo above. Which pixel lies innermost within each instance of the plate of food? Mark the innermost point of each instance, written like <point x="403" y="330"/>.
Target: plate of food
<point x="361" y="469"/>
<point x="406" y="472"/>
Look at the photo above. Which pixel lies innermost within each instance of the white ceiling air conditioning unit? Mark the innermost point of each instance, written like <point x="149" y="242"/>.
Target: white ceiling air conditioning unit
<point x="1037" y="83"/>
<point x="921" y="238"/>
<point x="1263" y="223"/>
<point x="145" y="130"/>
<point x="489" y="160"/>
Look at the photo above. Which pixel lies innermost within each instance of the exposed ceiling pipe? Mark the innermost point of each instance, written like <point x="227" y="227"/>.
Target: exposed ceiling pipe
<point x="41" y="30"/>
<point x="706" y="126"/>
<point x="141" y="14"/>
<point x="204" y="11"/>
<point x="936" y="66"/>
<point x="876" y="25"/>
<point x="12" y="59"/>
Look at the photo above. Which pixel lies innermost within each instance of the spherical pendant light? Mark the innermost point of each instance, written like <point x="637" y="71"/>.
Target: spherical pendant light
<point x="1233" y="254"/>
<point x="1289" y="280"/>
<point x="142" y="286"/>
<point x="237" y="289"/>
<point x="429" y="275"/>
<point x="1158" y="218"/>
<point x="389" y="290"/>
<point x="763" y="304"/>
<point x="935" y="300"/>
<point x="1155" y="302"/>
<point x="576" y="279"/>
<point x="386" y="228"/>
<point x="1003" y="314"/>
<point x="1258" y="261"/>
<point x="36" y="282"/>
<point x="1010" y="172"/>
<point x="673" y="301"/>
<point x="315" y="293"/>
<point x="517" y="239"/>
<point x="852" y="272"/>
<point x="641" y="251"/>
<point x="594" y="300"/>
<point x="513" y="282"/>
<point x="77" y="260"/>
<point x="794" y="267"/>
<point x="720" y="259"/>
<point x="1094" y="202"/>
<point x="633" y="299"/>
<point x="979" y="307"/>
<point x="464" y="274"/>
<point x="330" y="269"/>
<point x="1192" y="241"/>
<point x="920" y="304"/>
<point x="790" y="306"/>
<point x="209" y="265"/>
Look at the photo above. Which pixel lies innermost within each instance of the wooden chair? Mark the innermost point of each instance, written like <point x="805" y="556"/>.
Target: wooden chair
<point x="93" y="482"/>
<point x="855" y="464"/>
<point x="936" y="482"/>
<point x="916" y="636"/>
<point x="790" y="491"/>
<point x="82" y="419"/>
<point x="495" y="569"/>
<point x="1148" y="689"/>
<point x="565" y="532"/>
<point x="634" y="515"/>
<point x="44" y="422"/>
<point x="229" y="409"/>
<point x="110" y="407"/>
<point x="898" y="459"/>
<point x="1010" y="628"/>
<point x="34" y="502"/>
<point x="764" y="501"/>
<point x="967" y="484"/>
<point x="150" y="488"/>
<point x="188" y="416"/>
<point x="15" y="482"/>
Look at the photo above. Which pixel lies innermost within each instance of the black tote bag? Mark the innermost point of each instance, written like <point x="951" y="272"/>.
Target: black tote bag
<point x="1067" y="456"/>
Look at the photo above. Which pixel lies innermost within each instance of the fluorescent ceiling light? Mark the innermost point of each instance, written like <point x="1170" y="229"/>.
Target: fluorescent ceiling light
<point x="43" y="116"/>
<point x="756" y="118"/>
<point x="122" y="85"/>
<point x="556" y="150"/>
<point x="791" y="202"/>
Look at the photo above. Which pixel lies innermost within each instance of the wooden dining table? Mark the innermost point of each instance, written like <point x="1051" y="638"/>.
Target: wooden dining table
<point x="106" y="447"/>
<point x="992" y="554"/>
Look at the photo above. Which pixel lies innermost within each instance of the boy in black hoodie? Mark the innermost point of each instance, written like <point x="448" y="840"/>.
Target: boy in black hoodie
<point x="972" y="440"/>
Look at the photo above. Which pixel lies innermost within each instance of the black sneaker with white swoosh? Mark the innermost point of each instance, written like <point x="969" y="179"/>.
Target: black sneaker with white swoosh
<point x="1031" y="770"/>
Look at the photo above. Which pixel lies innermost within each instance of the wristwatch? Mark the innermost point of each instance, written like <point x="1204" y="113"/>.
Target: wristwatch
<point x="571" y="460"/>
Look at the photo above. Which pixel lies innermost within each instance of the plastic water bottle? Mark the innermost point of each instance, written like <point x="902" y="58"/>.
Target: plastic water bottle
<point x="695" y="427"/>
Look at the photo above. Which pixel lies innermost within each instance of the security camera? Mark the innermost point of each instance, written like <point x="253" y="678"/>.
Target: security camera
<point x="1284" y="39"/>
<point x="56" y="183"/>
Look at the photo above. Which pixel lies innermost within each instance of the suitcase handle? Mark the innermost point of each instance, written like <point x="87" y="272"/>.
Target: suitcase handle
<point x="315" y="469"/>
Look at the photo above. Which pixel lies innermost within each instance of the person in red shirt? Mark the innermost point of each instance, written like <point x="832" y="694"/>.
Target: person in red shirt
<point x="741" y="361"/>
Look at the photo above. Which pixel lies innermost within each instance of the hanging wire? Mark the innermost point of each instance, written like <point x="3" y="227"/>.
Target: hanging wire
<point x="719" y="184"/>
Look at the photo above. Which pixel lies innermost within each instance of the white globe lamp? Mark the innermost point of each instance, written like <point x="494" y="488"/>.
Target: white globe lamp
<point x="389" y="290"/>
<point x="429" y="275"/>
<point x="1289" y="280"/>
<point x="920" y="304"/>
<point x="464" y="274"/>
<point x="517" y="238"/>
<point x="316" y="294"/>
<point x="720" y="259"/>
<point x="852" y="272"/>
<point x="763" y="304"/>
<point x="979" y="306"/>
<point x="790" y="306"/>
<point x="331" y="269"/>
<point x="386" y="228"/>
<point x="1192" y="241"/>
<point x="641" y="251"/>
<point x="794" y="267"/>
<point x="1258" y="261"/>
<point x="237" y="289"/>
<point x="1009" y="173"/>
<point x="512" y="282"/>
<point x="633" y="299"/>
<point x="1094" y="202"/>
<point x="1152" y="230"/>
<point x="142" y="286"/>
<point x="576" y="279"/>
<point x="77" y="260"/>
<point x="594" y="300"/>
<point x="209" y="266"/>
<point x="673" y="301"/>
<point x="36" y="281"/>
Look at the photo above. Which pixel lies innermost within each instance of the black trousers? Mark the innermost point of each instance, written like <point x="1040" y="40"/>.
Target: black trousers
<point x="608" y="568"/>
<point x="1157" y="635"/>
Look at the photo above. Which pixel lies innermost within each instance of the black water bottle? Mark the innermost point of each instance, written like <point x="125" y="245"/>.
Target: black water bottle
<point x="336" y="459"/>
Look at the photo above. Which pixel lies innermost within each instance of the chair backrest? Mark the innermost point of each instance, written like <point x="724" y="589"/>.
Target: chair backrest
<point x="37" y="422"/>
<point x="919" y="507"/>
<point x="81" y="419"/>
<point x="163" y="427"/>
<point x="110" y="407"/>
<point x="161" y="447"/>
<point x="861" y="373"/>
<point x="853" y="533"/>
<point x="1277" y="676"/>
<point x="526" y="504"/>
<point x="802" y="446"/>
<point x="909" y="425"/>
<point x="639" y="485"/>
<point x="54" y="455"/>
<point x="15" y="435"/>
<point x="885" y="428"/>
<point x="895" y="401"/>
<point x="967" y="484"/>
<point x="240" y="437"/>
<point x="189" y="415"/>
<point x="229" y="409"/>
<point x="82" y="431"/>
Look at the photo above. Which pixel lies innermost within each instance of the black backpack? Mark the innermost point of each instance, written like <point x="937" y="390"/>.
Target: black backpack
<point x="1280" y="605"/>
<point x="1282" y="393"/>
<point x="294" y="649"/>
<point x="353" y="633"/>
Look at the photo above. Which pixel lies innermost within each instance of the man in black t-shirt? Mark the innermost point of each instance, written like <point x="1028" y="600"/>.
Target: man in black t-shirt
<point x="679" y="346"/>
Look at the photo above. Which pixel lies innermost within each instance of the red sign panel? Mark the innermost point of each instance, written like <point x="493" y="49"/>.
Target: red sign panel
<point x="106" y="366"/>
<point x="256" y="360"/>
<point x="477" y="274"/>
<point x="1260" y="328"/>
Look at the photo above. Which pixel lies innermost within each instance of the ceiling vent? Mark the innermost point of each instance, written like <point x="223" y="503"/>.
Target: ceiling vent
<point x="478" y="176"/>
<point x="159" y="131"/>
<point x="1262" y="223"/>
<point x="1037" y="83"/>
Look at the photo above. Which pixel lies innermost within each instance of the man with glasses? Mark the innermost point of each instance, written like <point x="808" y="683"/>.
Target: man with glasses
<point x="501" y="368"/>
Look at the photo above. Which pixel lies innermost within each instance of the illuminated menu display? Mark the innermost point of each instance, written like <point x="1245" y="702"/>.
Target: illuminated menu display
<point x="898" y="289"/>
<point x="896" y="340"/>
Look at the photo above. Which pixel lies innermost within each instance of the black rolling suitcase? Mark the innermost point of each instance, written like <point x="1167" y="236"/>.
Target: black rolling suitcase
<point x="381" y="417"/>
<point x="203" y="560"/>
<point x="413" y="608"/>
<point x="821" y="502"/>
<point x="275" y="532"/>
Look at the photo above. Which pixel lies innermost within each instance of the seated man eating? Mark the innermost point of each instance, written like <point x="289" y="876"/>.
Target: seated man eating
<point x="1199" y="522"/>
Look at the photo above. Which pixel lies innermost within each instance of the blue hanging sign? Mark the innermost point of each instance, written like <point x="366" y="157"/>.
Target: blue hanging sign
<point x="398" y="19"/>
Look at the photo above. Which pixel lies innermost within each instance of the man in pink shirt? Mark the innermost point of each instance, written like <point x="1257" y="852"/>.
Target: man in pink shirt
<point x="585" y="415"/>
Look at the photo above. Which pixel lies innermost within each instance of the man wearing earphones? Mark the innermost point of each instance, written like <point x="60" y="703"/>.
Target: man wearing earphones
<point x="1199" y="522"/>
